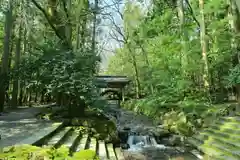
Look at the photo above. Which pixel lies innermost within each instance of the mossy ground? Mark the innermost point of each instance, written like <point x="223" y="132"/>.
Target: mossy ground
<point x="24" y="152"/>
<point x="182" y="118"/>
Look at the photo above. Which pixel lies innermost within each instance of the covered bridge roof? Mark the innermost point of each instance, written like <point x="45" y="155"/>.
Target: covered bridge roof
<point x="111" y="81"/>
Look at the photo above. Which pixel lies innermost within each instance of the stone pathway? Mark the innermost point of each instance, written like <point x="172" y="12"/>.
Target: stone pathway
<point x="20" y="124"/>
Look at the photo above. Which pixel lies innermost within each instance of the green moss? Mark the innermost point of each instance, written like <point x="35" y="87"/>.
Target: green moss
<point x="24" y="152"/>
<point x="85" y="155"/>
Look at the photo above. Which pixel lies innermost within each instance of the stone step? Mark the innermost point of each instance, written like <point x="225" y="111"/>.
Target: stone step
<point x="231" y="119"/>
<point x="70" y="141"/>
<point x="57" y="137"/>
<point x="213" y="146"/>
<point x="231" y="151"/>
<point x="75" y="144"/>
<point x="93" y="144"/>
<point x="119" y="154"/>
<point x="221" y="139"/>
<point x="221" y="124"/>
<point x="210" y="151"/>
<point x="111" y="153"/>
<point x="221" y="150"/>
<point x="230" y="134"/>
<point x="45" y="132"/>
<point x="64" y="138"/>
<point x="228" y="142"/>
<point x="214" y="153"/>
<point x="205" y="136"/>
<point x="83" y="143"/>
<point x="102" y="150"/>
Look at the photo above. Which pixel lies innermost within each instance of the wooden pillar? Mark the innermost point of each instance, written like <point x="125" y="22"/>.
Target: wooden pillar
<point x="123" y="94"/>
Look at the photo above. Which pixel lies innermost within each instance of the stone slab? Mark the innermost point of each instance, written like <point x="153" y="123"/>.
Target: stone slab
<point x="43" y="133"/>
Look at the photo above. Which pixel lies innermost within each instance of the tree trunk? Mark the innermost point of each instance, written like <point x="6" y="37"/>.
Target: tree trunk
<point x="16" y="66"/>
<point x="58" y="98"/>
<point x="234" y="21"/>
<point x="30" y="95"/>
<point x="136" y="76"/>
<point x="36" y="96"/>
<point x="184" y="36"/>
<point x="5" y="56"/>
<point x="42" y="96"/>
<point x="83" y="23"/>
<point x="77" y="36"/>
<point x="204" y="47"/>
<point x="20" y="99"/>
<point x="148" y="66"/>
<point x="25" y="96"/>
<point x="68" y="28"/>
<point x="136" y="73"/>
<point x="94" y="27"/>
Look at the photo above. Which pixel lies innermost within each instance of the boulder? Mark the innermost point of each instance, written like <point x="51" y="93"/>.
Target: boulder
<point x="159" y="131"/>
<point x="123" y="135"/>
<point x="124" y="145"/>
<point x="175" y="140"/>
<point x="125" y="128"/>
<point x="134" y="156"/>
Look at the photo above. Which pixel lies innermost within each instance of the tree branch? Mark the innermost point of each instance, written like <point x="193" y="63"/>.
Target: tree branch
<point x="65" y="8"/>
<point x="192" y="13"/>
<point x="49" y="21"/>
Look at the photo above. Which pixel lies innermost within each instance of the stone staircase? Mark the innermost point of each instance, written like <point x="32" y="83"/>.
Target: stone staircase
<point x="76" y="141"/>
<point x="220" y="141"/>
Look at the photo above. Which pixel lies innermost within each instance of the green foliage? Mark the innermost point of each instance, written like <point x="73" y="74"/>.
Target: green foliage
<point x="86" y="155"/>
<point x="234" y="77"/>
<point x="24" y="152"/>
<point x="170" y="64"/>
<point x="59" y="71"/>
<point x="58" y="60"/>
<point x="27" y="152"/>
<point x="175" y="67"/>
<point x="183" y="117"/>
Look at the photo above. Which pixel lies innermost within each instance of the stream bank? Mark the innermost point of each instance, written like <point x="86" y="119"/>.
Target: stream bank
<point x="142" y="139"/>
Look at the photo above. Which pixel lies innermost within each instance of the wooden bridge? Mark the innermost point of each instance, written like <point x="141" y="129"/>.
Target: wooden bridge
<point x="113" y="84"/>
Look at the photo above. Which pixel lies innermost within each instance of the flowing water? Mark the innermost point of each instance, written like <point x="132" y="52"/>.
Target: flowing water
<point x="142" y="145"/>
<point x="147" y="148"/>
<point x="138" y="142"/>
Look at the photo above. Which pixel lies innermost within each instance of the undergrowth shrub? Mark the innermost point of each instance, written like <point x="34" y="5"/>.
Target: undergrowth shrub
<point x="24" y="152"/>
<point x="183" y="117"/>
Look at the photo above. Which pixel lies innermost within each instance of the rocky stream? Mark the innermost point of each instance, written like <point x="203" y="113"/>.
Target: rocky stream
<point x="137" y="137"/>
<point x="141" y="139"/>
